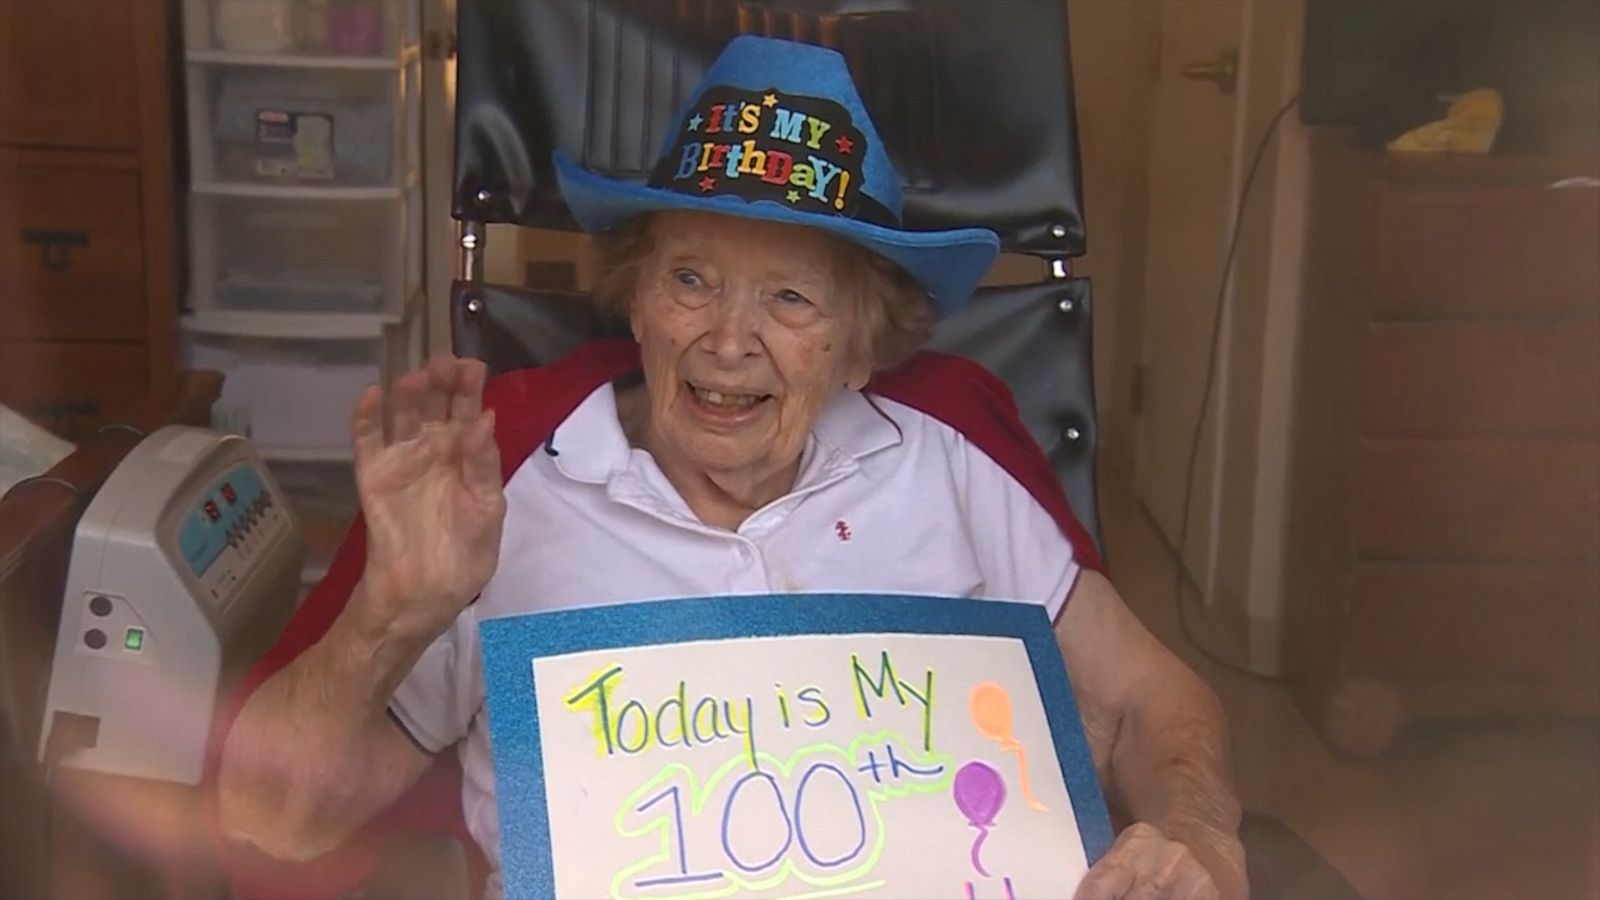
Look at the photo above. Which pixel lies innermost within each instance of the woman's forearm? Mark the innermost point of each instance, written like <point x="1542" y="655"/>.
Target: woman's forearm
<point x="1171" y="768"/>
<point x="313" y="755"/>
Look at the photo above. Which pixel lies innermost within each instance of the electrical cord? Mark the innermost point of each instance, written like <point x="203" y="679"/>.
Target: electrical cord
<point x="1205" y="402"/>
<point x="40" y="479"/>
<point x="135" y="430"/>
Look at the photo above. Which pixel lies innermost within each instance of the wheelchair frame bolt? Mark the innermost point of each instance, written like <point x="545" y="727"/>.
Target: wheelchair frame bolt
<point x="474" y="306"/>
<point x="1073" y="434"/>
<point x="1066" y="306"/>
<point x="1058" y="231"/>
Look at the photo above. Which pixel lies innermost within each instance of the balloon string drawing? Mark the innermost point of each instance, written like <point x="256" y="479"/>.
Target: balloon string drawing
<point x="991" y="714"/>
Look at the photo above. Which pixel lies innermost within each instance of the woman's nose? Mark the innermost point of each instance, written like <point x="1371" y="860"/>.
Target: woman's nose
<point x="732" y="335"/>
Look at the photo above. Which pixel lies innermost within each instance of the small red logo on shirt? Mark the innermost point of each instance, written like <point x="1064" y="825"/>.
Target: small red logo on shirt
<point x="842" y="529"/>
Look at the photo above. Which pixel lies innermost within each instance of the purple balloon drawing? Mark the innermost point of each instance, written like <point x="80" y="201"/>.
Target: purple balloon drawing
<point x="979" y="793"/>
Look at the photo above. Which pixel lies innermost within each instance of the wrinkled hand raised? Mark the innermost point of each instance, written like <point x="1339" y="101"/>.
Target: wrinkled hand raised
<point x="430" y="492"/>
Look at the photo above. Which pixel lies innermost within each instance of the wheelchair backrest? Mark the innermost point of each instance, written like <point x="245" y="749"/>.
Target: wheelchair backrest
<point x="973" y="100"/>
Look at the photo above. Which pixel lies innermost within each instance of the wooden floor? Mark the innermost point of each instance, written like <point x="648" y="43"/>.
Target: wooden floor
<point x="1480" y="809"/>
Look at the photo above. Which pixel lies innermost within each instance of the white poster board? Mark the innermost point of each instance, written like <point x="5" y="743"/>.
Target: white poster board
<point x="807" y="746"/>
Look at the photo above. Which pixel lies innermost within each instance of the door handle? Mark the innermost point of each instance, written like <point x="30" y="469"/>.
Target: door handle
<point x="1222" y="71"/>
<point x="55" y="247"/>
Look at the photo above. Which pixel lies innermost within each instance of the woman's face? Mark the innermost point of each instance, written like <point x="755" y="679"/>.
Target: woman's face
<point x="745" y="333"/>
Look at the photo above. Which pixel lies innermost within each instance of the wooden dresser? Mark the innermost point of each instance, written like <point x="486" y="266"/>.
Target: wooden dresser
<point x="1445" y="500"/>
<point x="88" y="235"/>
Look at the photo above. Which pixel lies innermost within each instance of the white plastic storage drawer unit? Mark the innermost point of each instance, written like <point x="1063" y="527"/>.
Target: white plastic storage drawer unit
<point x="314" y="28"/>
<point x="304" y="255"/>
<point x="294" y="398"/>
<point x="253" y="124"/>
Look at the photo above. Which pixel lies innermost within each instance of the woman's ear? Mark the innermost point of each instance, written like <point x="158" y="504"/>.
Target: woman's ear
<point x="857" y="376"/>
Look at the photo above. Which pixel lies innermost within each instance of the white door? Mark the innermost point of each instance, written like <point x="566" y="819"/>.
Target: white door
<point x="438" y="136"/>
<point x="1192" y="184"/>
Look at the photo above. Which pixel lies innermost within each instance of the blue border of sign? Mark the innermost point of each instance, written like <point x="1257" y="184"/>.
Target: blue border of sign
<point x="510" y="644"/>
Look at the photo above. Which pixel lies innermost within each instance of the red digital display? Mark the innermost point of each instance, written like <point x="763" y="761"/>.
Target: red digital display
<point x="228" y="494"/>
<point x="212" y="512"/>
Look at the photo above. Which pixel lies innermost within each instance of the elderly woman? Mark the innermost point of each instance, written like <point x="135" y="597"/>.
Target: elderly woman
<point x="765" y="435"/>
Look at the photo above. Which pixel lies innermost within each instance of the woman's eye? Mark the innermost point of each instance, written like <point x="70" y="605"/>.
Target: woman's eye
<point x="687" y="277"/>
<point x="793" y="296"/>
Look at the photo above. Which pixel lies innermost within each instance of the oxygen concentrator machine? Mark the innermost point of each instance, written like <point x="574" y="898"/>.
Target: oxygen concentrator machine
<point x="184" y="569"/>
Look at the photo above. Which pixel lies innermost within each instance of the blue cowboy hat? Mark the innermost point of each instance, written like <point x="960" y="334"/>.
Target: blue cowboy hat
<point x="776" y="130"/>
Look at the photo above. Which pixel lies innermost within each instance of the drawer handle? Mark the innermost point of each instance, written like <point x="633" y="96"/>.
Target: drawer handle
<point x="65" y="416"/>
<point x="55" y="246"/>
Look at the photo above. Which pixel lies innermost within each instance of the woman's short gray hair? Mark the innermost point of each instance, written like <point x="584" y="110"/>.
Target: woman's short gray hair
<point x="894" y="316"/>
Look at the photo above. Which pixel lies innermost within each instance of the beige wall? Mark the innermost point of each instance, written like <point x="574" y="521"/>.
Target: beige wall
<point x="512" y="248"/>
<point x="1116" y="60"/>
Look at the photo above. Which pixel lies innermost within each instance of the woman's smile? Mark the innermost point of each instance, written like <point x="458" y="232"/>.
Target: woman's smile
<point x="725" y="409"/>
<point x="725" y="399"/>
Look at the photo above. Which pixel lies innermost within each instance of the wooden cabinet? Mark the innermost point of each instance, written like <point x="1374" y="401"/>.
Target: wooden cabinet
<point x="69" y="73"/>
<point x="88" y="268"/>
<point x="1445" y="501"/>
<point x="79" y="244"/>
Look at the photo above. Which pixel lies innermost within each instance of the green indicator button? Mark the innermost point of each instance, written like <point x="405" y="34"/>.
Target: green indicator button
<point x="135" y="639"/>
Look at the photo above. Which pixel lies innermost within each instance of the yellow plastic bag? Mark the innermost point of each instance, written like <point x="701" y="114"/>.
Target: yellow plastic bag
<point x="1469" y="127"/>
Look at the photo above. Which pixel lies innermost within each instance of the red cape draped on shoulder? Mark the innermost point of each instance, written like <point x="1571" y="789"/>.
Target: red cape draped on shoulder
<point x="530" y="404"/>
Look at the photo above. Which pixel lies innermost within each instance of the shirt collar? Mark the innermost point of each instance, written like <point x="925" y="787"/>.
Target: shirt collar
<point x="854" y="427"/>
<point x="590" y="445"/>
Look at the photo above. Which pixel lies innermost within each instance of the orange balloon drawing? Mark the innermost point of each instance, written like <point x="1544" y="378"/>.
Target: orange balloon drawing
<point x="990" y="706"/>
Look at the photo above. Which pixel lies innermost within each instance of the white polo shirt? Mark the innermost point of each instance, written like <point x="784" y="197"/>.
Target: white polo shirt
<point x="888" y="500"/>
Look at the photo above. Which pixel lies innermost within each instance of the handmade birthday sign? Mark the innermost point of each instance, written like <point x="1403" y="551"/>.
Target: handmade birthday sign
<point x="789" y="746"/>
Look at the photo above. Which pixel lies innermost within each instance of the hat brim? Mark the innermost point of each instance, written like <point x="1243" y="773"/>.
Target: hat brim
<point x="950" y="264"/>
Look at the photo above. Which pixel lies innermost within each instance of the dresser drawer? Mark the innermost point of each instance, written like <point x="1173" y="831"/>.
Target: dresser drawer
<point x="1486" y="251"/>
<point x="1530" y="624"/>
<point x="1466" y="378"/>
<point x="67" y="74"/>
<point x="1490" y="500"/>
<point x="71" y="253"/>
<point x="74" y="388"/>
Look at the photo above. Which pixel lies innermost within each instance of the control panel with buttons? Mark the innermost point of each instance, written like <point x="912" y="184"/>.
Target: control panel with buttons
<point x="230" y="526"/>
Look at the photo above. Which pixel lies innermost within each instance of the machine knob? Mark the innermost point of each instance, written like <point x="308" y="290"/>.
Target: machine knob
<point x="100" y="605"/>
<point x="94" y="638"/>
